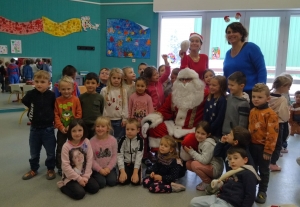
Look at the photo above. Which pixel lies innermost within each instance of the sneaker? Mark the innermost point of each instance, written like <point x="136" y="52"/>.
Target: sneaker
<point x="211" y="191"/>
<point x="176" y="187"/>
<point x="274" y="167"/>
<point x="59" y="172"/>
<point x="29" y="175"/>
<point x="50" y="175"/>
<point x="261" y="197"/>
<point x="298" y="160"/>
<point x="202" y="186"/>
<point x="284" y="151"/>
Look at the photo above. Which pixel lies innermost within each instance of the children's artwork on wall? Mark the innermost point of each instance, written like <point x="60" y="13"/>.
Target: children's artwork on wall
<point x="86" y="23"/>
<point x="3" y="49"/>
<point x="127" y="39"/>
<point x="16" y="46"/>
<point x="215" y="53"/>
<point x="21" y="28"/>
<point x="61" y="29"/>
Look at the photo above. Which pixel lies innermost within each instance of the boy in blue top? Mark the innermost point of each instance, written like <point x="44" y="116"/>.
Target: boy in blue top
<point x="40" y="102"/>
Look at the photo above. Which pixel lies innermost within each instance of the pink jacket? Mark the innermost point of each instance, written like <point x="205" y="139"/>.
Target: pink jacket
<point x="156" y="89"/>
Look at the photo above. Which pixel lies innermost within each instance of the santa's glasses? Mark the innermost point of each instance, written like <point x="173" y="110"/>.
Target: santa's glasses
<point x="185" y="79"/>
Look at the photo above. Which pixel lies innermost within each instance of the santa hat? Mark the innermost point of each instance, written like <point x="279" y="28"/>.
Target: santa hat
<point x="196" y="35"/>
<point x="187" y="73"/>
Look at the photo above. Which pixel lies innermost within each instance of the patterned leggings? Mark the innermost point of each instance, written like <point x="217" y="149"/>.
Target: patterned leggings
<point x="156" y="186"/>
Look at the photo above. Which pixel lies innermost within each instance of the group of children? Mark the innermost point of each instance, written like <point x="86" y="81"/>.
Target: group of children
<point x="99" y="143"/>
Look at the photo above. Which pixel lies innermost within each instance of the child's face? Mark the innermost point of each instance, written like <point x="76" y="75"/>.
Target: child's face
<point x="236" y="160"/>
<point x="91" y="86"/>
<point x="41" y="84"/>
<point x="235" y="88"/>
<point x="200" y="134"/>
<point x="259" y="98"/>
<point x="140" y="87"/>
<point x="155" y="76"/>
<point x="66" y="89"/>
<point x="285" y="89"/>
<point x="116" y="79"/>
<point x="297" y="98"/>
<point x="101" y="130"/>
<point x="130" y="75"/>
<point x="141" y="69"/>
<point x="103" y="76"/>
<point x="131" y="130"/>
<point x="230" y="138"/>
<point x="208" y="76"/>
<point x="214" y="86"/>
<point x="164" y="147"/>
<point x="78" y="158"/>
<point x="162" y="70"/>
<point x="77" y="133"/>
<point x="173" y="78"/>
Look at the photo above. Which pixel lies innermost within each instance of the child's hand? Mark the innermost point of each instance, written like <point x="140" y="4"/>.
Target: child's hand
<point x="107" y="170"/>
<point x="82" y="182"/>
<point x="165" y="57"/>
<point x="181" y="53"/>
<point x="85" y="180"/>
<point x="152" y="175"/>
<point x="135" y="178"/>
<point x="63" y="131"/>
<point x="67" y="128"/>
<point x="157" y="177"/>
<point x="187" y="149"/>
<point x="122" y="177"/>
<point x="266" y="156"/>
<point x="224" y="139"/>
<point x="103" y="172"/>
<point x="123" y="124"/>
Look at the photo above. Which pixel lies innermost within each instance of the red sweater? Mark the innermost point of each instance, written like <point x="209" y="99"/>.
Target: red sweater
<point x="199" y="67"/>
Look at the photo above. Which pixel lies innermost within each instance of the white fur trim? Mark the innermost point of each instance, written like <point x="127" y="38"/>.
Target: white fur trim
<point x="295" y="109"/>
<point x="179" y="132"/>
<point x="155" y="119"/>
<point x="181" y="116"/>
<point x="187" y="73"/>
<point x="170" y="127"/>
<point x="246" y="96"/>
<point x="196" y="35"/>
<point x="184" y="155"/>
<point x="154" y="142"/>
<point x="185" y="45"/>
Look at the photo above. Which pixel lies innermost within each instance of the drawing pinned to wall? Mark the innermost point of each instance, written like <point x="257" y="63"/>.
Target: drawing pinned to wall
<point x="126" y="38"/>
<point x="3" y="49"/>
<point x="16" y="46"/>
<point x="215" y="53"/>
<point x="86" y="23"/>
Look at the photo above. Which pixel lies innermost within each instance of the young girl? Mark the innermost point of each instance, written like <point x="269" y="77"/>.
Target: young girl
<point x="155" y="84"/>
<point x="279" y="104"/>
<point x="77" y="158"/>
<point x="128" y="83"/>
<point x="204" y="164"/>
<point x="295" y="115"/>
<point x="167" y="85"/>
<point x="215" y="106"/>
<point x="116" y="107"/>
<point x="105" y="153"/>
<point x="166" y="170"/>
<point x="208" y="74"/>
<point x="103" y="78"/>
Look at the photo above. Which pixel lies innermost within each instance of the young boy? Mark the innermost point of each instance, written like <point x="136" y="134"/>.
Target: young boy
<point x="71" y="71"/>
<point x="263" y="127"/>
<point x="130" y="154"/>
<point x="103" y="77"/>
<point x="238" y="185"/>
<point x="40" y="102"/>
<point x="67" y="107"/>
<point x="92" y="103"/>
<point x="237" y="109"/>
<point x="141" y="68"/>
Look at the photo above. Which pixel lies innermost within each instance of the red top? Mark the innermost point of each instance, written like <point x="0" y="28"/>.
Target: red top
<point x="199" y="67"/>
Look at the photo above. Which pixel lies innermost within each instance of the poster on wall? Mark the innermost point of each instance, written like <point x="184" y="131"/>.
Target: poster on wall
<point x="215" y="52"/>
<point x="16" y="46"/>
<point x="127" y="39"/>
<point x="3" y="49"/>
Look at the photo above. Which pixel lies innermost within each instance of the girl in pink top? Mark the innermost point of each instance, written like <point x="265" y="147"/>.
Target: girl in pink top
<point x="155" y="83"/>
<point x="77" y="158"/>
<point x="105" y="153"/>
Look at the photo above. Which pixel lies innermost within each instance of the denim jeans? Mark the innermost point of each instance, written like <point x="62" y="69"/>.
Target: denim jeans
<point x="119" y="131"/>
<point x="110" y="179"/>
<point x="39" y="137"/>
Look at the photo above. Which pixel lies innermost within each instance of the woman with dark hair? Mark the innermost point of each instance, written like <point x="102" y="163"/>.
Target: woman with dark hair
<point x="245" y="57"/>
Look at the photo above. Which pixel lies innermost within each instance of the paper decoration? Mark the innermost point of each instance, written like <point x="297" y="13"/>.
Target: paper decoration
<point x="20" y="28"/>
<point x="171" y="57"/>
<point x="215" y="53"/>
<point x="86" y="23"/>
<point x="3" y="49"/>
<point x="238" y="16"/>
<point x="127" y="39"/>
<point x="226" y="19"/>
<point x="16" y="46"/>
<point x="61" y="29"/>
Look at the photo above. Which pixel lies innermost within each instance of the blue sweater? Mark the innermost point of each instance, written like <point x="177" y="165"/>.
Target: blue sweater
<point x="250" y="61"/>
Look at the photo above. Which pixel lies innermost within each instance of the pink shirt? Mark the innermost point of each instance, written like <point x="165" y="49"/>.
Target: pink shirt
<point x="140" y="106"/>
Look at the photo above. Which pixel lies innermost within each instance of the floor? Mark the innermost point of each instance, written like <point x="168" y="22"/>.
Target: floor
<point x="14" y="192"/>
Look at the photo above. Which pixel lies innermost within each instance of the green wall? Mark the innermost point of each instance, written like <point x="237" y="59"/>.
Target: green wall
<point x="63" y="50"/>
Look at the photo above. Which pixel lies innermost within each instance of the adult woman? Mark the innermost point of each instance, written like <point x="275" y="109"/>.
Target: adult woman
<point x="197" y="62"/>
<point x="244" y="56"/>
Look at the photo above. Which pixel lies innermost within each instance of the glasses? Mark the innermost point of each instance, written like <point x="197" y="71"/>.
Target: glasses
<point x="185" y="79"/>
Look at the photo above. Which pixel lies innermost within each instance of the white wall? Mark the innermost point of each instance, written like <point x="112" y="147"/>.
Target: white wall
<point x="217" y="5"/>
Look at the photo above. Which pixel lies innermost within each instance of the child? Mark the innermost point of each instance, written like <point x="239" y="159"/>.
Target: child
<point x="278" y="103"/>
<point x="128" y="81"/>
<point x="204" y="164"/>
<point x="116" y="107"/>
<point x="40" y="103"/>
<point x="13" y="72"/>
<point x="155" y="84"/>
<point x="105" y="153"/>
<point x="71" y="71"/>
<point x="167" y="85"/>
<point x="77" y="158"/>
<point x="215" y="105"/>
<point x="27" y="71"/>
<point x="130" y="154"/>
<point x="295" y="115"/>
<point x="141" y="68"/>
<point x="103" y="77"/>
<point x="237" y="109"/>
<point x="2" y="76"/>
<point x="166" y="170"/>
<point x="66" y="108"/>
<point x="237" y="187"/>
<point x="208" y="74"/>
<point x="92" y="103"/>
<point x="263" y="127"/>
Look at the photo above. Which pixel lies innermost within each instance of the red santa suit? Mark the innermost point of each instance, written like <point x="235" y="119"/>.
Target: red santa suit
<point x="181" y="111"/>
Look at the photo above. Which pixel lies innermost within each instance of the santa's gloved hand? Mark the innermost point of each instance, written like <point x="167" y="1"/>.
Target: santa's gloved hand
<point x="145" y="128"/>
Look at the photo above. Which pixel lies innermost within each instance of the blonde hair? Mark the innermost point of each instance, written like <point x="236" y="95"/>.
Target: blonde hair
<point x="41" y="74"/>
<point x="261" y="87"/>
<point x="173" y="145"/>
<point x="124" y="71"/>
<point x="109" y="84"/>
<point x="281" y="81"/>
<point x="287" y="75"/>
<point x="66" y="79"/>
<point x="133" y="121"/>
<point x="105" y="121"/>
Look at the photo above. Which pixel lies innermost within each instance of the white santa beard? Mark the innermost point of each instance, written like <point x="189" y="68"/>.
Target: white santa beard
<point x="189" y="95"/>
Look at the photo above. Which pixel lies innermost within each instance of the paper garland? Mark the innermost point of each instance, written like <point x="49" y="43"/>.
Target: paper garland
<point x="61" y="29"/>
<point x="20" y="28"/>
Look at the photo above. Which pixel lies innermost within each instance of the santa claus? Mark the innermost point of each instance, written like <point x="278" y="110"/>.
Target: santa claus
<point x="181" y="111"/>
